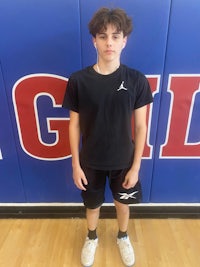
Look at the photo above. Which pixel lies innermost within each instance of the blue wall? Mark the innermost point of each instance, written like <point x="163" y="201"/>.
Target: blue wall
<point x="43" y="42"/>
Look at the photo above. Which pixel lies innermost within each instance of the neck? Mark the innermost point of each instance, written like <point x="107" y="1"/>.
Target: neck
<point x="106" y="69"/>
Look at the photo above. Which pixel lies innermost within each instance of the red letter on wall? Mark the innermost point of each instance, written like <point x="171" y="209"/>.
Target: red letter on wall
<point x="26" y="93"/>
<point x="183" y="90"/>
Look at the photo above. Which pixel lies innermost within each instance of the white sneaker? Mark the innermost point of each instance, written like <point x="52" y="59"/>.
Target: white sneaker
<point x="126" y="251"/>
<point x="88" y="252"/>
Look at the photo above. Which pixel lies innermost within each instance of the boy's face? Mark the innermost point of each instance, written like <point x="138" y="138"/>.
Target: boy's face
<point x="109" y="43"/>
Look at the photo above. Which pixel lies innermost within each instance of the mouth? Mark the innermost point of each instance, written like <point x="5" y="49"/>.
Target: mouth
<point x="109" y="51"/>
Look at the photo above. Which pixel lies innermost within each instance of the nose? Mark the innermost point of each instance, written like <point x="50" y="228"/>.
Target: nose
<point x="109" y="41"/>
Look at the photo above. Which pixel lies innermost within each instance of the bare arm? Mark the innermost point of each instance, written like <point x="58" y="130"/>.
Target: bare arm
<point x="140" y="137"/>
<point x="74" y="138"/>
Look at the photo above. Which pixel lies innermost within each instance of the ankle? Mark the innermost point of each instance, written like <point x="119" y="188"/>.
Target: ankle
<point x="92" y="234"/>
<point x="122" y="234"/>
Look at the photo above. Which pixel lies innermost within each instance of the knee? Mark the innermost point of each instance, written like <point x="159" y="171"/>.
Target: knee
<point x="122" y="208"/>
<point x="93" y="211"/>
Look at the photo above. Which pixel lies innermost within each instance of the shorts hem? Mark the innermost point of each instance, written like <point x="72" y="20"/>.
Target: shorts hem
<point x="92" y="207"/>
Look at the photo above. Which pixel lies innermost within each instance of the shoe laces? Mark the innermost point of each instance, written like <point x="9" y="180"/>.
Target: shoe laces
<point x="90" y="244"/>
<point x="125" y="245"/>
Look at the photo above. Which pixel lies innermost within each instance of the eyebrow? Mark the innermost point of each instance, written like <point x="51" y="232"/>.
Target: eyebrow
<point x="119" y="32"/>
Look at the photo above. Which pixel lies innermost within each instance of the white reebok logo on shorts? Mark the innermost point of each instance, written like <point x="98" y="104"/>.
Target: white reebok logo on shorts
<point x="122" y="87"/>
<point x="127" y="196"/>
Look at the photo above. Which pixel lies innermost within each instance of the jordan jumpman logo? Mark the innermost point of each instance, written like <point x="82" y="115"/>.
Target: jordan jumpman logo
<point x="122" y="87"/>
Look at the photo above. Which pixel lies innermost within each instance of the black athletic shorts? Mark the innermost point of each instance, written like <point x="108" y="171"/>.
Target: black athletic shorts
<point x="94" y="196"/>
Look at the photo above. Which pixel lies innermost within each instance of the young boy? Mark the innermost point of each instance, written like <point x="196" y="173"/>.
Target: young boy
<point x="102" y="99"/>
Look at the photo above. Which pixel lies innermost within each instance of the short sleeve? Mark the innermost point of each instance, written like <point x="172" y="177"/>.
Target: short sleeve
<point x="70" y="100"/>
<point x="144" y="94"/>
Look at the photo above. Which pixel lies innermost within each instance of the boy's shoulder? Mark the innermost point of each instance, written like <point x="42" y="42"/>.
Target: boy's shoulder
<point x="133" y="73"/>
<point x="131" y="70"/>
<point x="80" y="73"/>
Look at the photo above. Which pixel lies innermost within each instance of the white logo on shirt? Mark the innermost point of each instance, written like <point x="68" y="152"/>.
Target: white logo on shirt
<point x="122" y="87"/>
<point x="127" y="196"/>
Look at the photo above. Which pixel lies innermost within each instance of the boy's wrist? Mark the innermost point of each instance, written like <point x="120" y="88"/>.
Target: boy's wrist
<point x="136" y="166"/>
<point x="75" y="164"/>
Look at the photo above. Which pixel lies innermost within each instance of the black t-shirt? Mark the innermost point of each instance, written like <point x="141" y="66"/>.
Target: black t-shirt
<point x="105" y="104"/>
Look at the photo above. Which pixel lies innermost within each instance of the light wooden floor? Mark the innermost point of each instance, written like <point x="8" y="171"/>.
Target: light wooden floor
<point x="58" y="242"/>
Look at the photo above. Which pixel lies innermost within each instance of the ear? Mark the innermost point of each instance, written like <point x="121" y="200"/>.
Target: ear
<point x="94" y="42"/>
<point x="124" y="42"/>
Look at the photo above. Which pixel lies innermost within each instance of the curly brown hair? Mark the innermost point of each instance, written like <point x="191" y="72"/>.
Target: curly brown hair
<point x="105" y="16"/>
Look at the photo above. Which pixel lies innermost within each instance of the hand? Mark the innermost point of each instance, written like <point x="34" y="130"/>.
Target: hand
<point x="131" y="179"/>
<point x="79" y="178"/>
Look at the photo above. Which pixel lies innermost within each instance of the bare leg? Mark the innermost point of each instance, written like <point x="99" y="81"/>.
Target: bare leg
<point x="123" y="213"/>
<point x="92" y="216"/>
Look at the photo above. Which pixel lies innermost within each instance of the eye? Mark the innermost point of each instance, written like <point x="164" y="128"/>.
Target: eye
<point x="116" y="36"/>
<point x="102" y="36"/>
